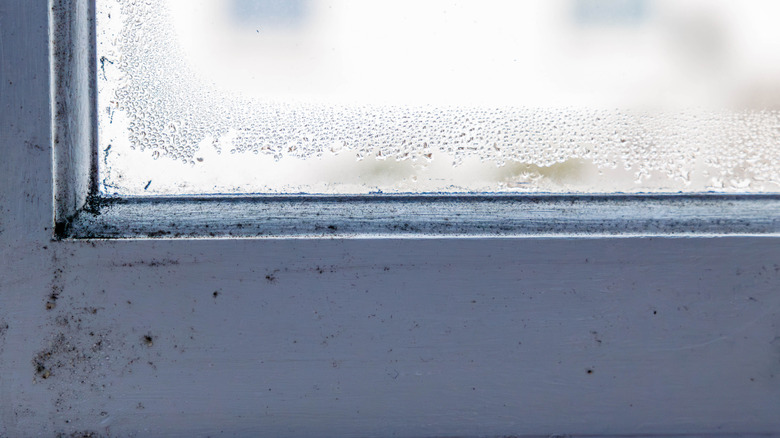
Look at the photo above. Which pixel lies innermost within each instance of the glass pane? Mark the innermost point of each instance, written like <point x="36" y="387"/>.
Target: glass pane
<point x="364" y="96"/>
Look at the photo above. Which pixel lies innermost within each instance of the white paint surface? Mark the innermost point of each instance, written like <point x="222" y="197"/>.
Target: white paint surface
<point x="364" y="337"/>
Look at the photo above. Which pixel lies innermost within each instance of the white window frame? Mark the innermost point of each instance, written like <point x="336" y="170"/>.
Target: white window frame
<point x="540" y="334"/>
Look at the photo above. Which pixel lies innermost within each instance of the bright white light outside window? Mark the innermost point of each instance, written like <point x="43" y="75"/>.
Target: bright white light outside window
<point x="362" y="96"/>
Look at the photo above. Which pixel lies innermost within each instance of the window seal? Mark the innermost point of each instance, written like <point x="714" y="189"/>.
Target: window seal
<point x="82" y="212"/>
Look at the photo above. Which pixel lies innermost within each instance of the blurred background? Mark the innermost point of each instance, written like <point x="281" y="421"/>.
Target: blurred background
<point x="548" y="53"/>
<point x="357" y="96"/>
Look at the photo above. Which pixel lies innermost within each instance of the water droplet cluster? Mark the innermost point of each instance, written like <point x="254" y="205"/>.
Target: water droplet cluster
<point x="171" y="111"/>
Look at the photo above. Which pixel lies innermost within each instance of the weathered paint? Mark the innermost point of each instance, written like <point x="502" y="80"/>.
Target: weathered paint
<point x="364" y="337"/>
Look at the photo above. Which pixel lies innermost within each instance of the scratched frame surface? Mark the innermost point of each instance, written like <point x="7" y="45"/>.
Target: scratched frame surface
<point x="83" y="212"/>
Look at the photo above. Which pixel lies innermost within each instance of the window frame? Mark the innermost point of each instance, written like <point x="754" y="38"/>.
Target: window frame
<point x="408" y="337"/>
<point x="83" y="212"/>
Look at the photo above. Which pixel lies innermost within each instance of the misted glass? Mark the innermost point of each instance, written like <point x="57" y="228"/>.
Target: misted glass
<point x="429" y="96"/>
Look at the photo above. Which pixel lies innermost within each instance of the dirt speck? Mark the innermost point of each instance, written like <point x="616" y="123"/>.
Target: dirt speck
<point x="82" y="434"/>
<point x="148" y="339"/>
<point x="32" y="145"/>
<point x="51" y="303"/>
<point x="154" y="263"/>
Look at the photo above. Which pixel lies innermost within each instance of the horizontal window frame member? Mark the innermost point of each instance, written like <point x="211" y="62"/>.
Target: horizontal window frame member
<point x="425" y="216"/>
<point x="82" y="212"/>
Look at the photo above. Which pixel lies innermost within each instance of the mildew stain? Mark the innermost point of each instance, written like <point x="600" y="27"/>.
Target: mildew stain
<point x="148" y="340"/>
<point x="153" y="263"/>
<point x="81" y="434"/>
<point x="271" y="277"/>
<point x="3" y="330"/>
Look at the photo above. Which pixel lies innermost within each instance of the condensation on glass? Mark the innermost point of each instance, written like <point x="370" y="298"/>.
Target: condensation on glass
<point x="366" y="96"/>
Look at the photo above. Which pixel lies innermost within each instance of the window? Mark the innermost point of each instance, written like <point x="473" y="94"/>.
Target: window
<point x="342" y="160"/>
